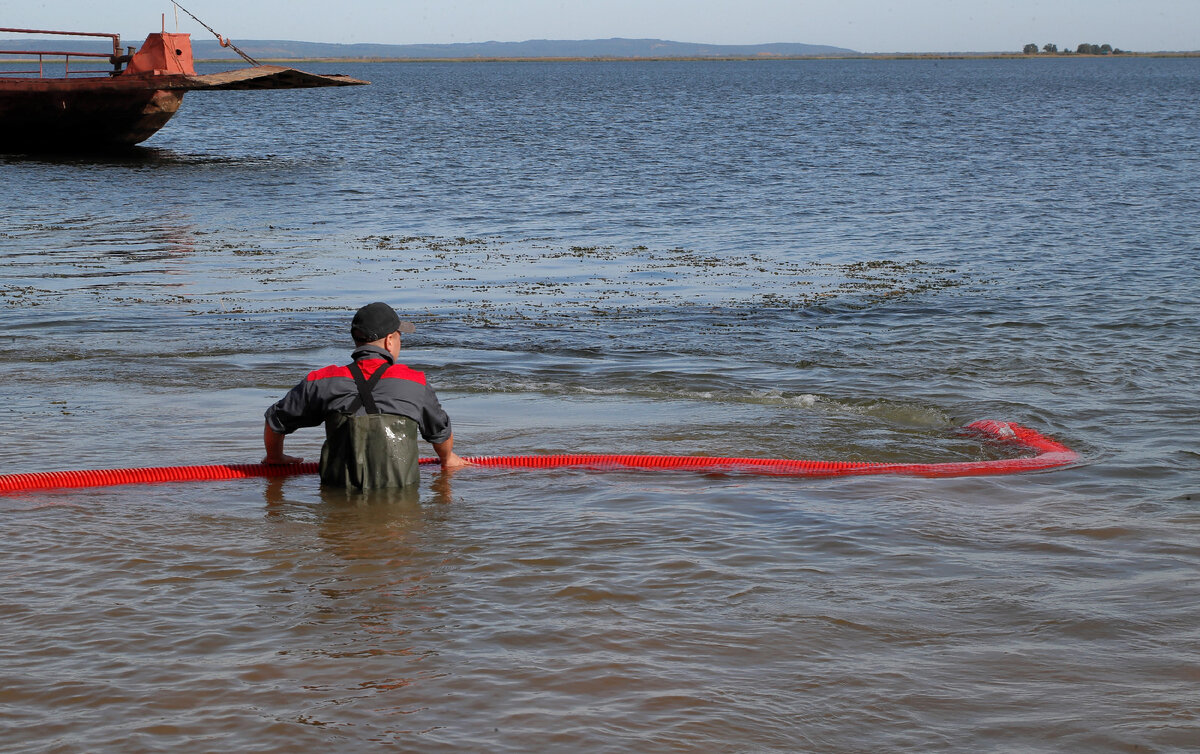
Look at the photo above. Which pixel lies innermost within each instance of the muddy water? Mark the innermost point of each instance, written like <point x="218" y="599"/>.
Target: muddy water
<point x="831" y="260"/>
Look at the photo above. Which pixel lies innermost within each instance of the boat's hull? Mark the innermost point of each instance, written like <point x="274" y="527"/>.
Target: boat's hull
<point x="103" y="113"/>
<point x="82" y="114"/>
<point x="128" y="107"/>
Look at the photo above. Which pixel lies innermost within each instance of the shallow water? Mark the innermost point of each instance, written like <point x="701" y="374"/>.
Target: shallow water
<point x="831" y="259"/>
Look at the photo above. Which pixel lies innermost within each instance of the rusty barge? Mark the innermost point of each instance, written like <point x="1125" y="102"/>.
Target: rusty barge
<point x="54" y="108"/>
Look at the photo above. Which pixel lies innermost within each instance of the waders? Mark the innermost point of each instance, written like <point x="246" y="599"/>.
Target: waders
<point x="368" y="451"/>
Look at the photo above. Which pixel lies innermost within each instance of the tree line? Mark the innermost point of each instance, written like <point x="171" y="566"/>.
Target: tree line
<point x="1085" y="48"/>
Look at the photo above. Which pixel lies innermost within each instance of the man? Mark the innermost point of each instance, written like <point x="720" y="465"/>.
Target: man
<point x="372" y="410"/>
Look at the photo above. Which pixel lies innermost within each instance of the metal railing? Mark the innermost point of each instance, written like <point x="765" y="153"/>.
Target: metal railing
<point x="116" y="58"/>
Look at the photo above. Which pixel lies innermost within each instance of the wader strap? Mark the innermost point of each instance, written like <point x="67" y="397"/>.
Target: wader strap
<point x="365" y="387"/>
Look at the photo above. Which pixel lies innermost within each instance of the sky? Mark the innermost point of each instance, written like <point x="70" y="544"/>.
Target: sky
<point x="862" y="25"/>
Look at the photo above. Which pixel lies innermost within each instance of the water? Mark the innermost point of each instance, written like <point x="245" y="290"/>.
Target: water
<point x="828" y="259"/>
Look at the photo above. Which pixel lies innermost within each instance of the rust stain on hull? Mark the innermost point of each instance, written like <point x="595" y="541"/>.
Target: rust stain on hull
<point x="83" y="118"/>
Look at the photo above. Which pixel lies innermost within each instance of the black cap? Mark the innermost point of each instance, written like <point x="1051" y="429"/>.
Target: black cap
<point x="376" y="321"/>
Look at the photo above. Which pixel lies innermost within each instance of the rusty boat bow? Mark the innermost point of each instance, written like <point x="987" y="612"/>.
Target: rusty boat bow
<point x="81" y="110"/>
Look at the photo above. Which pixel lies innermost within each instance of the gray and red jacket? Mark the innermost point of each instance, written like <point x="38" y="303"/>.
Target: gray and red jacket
<point x="400" y="391"/>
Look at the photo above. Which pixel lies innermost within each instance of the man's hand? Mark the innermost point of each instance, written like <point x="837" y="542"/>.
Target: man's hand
<point x="273" y="441"/>
<point x="446" y="454"/>
<point x="281" y="460"/>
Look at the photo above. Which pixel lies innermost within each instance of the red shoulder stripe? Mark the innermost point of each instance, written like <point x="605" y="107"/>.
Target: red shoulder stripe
<point x="401" y="372"/>
<point x="330" y="371"/>
<point x="368" y="366"/>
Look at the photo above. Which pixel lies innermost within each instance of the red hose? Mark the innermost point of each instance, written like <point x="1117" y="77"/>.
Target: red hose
<point x="1050" y="455"/>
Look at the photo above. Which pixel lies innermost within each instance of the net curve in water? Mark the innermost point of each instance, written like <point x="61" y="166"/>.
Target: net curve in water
<point x="1050" y="454"/>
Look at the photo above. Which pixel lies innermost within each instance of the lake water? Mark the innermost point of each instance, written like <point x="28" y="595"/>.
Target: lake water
<point x="836" y="260"/>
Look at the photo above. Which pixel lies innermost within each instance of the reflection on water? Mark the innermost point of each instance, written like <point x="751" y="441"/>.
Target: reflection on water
<point x="377" y="506"/>
<point x="117" y="156"/>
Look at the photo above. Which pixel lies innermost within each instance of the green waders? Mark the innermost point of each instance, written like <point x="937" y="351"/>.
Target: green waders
<point x="371" y="451"/>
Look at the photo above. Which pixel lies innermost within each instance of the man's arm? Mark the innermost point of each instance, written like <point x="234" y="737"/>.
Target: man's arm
<point x="444" y="449"/>
<point x="273" y="442"/>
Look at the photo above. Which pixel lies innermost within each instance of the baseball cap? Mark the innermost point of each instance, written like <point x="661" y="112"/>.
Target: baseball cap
<point x="377" y="320"/>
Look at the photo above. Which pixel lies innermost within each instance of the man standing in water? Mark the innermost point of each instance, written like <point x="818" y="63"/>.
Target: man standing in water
<point x="372" y="410"/>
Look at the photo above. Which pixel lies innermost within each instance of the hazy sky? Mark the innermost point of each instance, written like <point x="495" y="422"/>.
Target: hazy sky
<point x="864" y="25"/>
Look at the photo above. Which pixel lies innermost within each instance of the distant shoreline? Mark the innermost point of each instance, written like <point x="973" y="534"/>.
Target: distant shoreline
<point x="700" y="58"/>
<point x="720" y="58"/>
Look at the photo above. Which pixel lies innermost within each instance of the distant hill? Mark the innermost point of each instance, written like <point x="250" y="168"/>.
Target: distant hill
<point x="209" y="49"/>
<point x="534" y="48"/>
